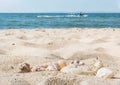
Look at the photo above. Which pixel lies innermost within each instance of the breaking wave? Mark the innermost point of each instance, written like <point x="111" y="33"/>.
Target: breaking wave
<point x="52" y="16"/>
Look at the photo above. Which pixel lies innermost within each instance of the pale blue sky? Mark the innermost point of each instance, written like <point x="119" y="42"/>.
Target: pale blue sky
<point x="59" y="5"/>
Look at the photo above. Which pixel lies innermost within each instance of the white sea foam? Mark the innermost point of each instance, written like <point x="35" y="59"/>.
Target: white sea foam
<point x="85" y="15"/>
<point x="50" y="16"/>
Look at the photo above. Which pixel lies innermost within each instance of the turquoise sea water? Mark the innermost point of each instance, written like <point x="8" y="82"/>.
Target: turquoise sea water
<point x="59" y="20"/>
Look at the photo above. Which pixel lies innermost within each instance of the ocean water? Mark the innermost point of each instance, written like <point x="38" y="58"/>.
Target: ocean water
<point x="59" y="20"/>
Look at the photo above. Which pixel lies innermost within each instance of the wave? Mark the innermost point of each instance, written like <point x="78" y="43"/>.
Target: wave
<point x="52" y="16"/>
<point x="85" y="15"/>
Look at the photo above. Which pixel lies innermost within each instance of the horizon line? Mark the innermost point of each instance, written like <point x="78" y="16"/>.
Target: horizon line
<point x="59" y="12"/>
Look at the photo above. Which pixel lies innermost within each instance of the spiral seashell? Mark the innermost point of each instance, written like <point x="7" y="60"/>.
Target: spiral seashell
<point x="52" y="67"/>
<point x="24" y="67"/>
<point x="105" y="73"/>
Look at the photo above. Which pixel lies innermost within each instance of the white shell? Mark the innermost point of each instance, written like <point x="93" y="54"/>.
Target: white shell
<point x="52" y="67"/>
<point x="98" y="64"/>
<point x="104" y="73"/>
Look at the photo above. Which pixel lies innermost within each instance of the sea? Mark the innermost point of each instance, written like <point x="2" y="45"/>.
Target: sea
<point x="59" y="20"/>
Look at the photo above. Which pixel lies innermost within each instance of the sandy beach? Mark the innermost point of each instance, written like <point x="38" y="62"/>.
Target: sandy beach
<point x="39" y="46"/>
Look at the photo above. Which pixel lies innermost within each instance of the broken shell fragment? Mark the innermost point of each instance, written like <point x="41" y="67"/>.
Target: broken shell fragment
<point x="98" y="64"/>
<point x="52" y="67"/>
<point x="44" y="65"/>
<point x="61" y="64"/>
<point x="37" y="68"/>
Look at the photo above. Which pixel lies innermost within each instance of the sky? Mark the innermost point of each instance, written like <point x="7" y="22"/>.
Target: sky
<point x="59" y="6"/>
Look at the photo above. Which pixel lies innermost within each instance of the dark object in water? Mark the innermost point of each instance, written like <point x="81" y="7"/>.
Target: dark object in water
<point x="81" y="14"/>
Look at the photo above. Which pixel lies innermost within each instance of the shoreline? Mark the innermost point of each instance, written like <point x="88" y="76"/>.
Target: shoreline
<point x="59" y="28"/>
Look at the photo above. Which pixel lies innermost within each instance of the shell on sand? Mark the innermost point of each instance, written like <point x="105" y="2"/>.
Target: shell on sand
<point x="37" y="68"/>
<point x="24" y="67"/>
<point x="44" y="65"/>
<point x="61" y="64"/>
<point x="81" y="70"/>
<point x="98" y="64"/>
<point x="77" y="67"/>
<point x="105" y="73"/>
<point x="52" y="67"/>
<point x="77" y="63"/>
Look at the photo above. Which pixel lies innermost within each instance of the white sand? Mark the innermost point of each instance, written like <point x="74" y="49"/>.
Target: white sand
<point x="39" y="46"/>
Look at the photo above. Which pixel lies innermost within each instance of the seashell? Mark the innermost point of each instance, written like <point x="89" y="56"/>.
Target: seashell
<point x="37" y="68"/>
<point x="65" y="69"/>
<point x="33" y="69"/>
<point x="44" y="65"/>
<point x="52" y="67"/>
<point x="105" y="73"/>
<point x="81" y="63"/>
<point x="61" y="64"/>
<point x="24" y="67"/>
<point x="98" y="64"/>
<point x="81" y="70"/>
<point x="77" y="63"/>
